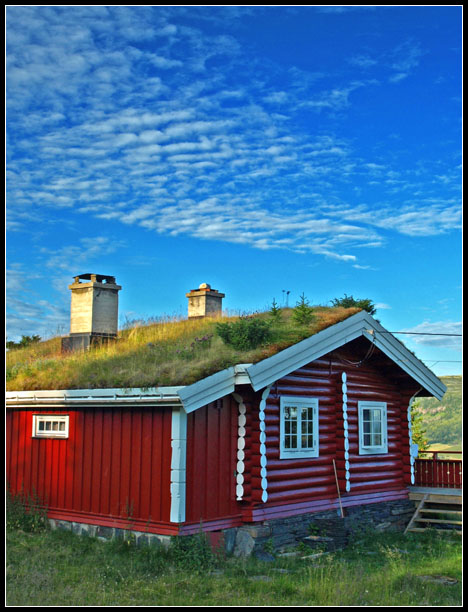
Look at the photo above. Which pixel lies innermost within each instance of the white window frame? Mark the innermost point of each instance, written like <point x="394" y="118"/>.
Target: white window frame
<point x="368" y="449"/>
<point x="299" y="452"/>
<point x="40" y="424"/>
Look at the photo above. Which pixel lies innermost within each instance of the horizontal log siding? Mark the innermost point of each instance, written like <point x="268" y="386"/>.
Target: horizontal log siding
<point x="310" y="480"/>
<point x="115" y="464"/>
<point x="369" y="473"/>
<point x="294" y="479"/>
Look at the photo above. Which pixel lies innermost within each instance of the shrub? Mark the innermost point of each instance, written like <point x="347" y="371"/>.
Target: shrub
<point x="244" y="334"/>
<point x="25" y="512"/>
<point x="349" y="302"/>
<point x="192" y="552"/>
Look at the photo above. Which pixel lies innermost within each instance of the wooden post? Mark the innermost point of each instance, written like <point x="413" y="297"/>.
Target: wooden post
<point x="338" y="489"/>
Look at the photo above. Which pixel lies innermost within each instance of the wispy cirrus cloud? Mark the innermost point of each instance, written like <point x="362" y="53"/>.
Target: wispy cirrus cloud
<point x="406" y="58"/>
<point x="136" y="126"/>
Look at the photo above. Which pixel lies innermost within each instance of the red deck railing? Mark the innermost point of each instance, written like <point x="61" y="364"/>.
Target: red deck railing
<point x="434" y="471"/>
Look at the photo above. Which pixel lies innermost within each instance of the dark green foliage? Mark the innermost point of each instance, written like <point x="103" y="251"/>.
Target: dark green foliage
<point x="303" y="314"/>
<point x="25" y="512"/>
<point x="349" y="302"/>
<point x="25" y="341"/>
<point x="442" y="420"/>
<point x="192" y="553"/>
<point x="245" y="334"/>
<point x="275" y="312"/>
<point x="418" y="431"/>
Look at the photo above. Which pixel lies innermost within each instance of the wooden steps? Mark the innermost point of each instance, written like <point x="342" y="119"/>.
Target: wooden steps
<point x="436" y="510"/>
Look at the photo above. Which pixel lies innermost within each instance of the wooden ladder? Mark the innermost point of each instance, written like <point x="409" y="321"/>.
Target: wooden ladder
<point x="440" y="512"/>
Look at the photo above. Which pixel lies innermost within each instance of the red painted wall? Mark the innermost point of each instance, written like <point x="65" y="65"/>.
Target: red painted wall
<point x="211" y="464"/>
<point x="114" y="468"/>
<point x="298" y="481"/>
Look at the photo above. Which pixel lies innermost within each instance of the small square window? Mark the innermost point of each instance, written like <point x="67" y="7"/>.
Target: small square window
<point x="372" y="428"/>
<point x="298" y="427"/>
<point x="50" y="426"/>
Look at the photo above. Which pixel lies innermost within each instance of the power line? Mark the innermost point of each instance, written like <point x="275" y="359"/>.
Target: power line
<point x="444" y="360"/>
<point x="417" y="333"/>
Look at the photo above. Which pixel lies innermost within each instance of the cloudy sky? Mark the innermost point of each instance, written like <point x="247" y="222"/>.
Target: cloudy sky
<point x="264" y="150"/>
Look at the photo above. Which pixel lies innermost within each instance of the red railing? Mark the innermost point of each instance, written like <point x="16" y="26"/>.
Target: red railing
<point x="438" y="472"/>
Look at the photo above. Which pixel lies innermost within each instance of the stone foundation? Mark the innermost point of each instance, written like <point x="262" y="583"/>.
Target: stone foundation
<point x="110" y="533"/>
<point x="319" y="530"/>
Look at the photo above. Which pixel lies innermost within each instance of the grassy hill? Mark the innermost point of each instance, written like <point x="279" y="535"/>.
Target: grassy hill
<point x="163" y="353"/>
<point x="442" y="420"/>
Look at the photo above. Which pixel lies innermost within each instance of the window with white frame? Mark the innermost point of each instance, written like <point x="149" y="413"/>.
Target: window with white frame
<point x="372" y="428"/>
<point x="50" y="426"/>
<point x="298" y="427"/>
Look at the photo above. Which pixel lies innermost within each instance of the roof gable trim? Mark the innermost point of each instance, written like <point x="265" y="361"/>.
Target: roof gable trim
<point x="361" y="324"/>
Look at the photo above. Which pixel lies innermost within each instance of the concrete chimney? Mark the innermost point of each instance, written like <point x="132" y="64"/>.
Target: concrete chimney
<point x="204" y="302"/>
<point x="94" y="311"/>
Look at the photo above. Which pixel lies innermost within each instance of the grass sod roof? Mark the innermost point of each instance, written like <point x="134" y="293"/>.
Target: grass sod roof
<point x="168" y="352"/>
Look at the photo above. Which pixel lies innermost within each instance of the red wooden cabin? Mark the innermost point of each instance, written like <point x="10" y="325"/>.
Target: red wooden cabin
<point x="321" y="425"/>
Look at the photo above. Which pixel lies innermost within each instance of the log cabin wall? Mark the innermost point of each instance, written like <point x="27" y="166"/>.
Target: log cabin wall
<point x="337" y="379"/>
<point x="292" y="480"/>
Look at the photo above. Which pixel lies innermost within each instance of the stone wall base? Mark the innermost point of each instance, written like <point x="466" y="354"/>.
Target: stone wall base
<point x="320" y="530"/>
<point x="110" y="533"/>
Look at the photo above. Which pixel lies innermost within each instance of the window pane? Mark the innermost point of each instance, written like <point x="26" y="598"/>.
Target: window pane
<point x="298" y="426"/>
<point x="372" y="419"/>
<point x="290" y="427"/>
<point x="307" y="427"/>
<point x="51" y="426"/>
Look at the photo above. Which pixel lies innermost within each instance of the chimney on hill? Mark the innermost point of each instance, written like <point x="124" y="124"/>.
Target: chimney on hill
<point x="94" y="311"/>
<point x="204" y="302"/>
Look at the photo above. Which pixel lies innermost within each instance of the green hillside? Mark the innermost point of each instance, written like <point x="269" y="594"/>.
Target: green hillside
<point x="168" y="352"/>
<point x="442" y="420"/>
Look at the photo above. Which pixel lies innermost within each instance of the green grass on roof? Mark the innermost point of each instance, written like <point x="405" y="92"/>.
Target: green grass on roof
<point x="169" y="352"/>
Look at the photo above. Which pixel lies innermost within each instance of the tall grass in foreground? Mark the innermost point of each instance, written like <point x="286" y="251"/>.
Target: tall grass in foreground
<point x="170" y="351"/>
<point x="60" y="568"/>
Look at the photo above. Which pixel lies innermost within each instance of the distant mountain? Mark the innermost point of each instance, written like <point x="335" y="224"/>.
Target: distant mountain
<point x="442" y="420"/>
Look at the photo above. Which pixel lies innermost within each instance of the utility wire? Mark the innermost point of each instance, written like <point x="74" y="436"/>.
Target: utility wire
<point x="416" y="333"/>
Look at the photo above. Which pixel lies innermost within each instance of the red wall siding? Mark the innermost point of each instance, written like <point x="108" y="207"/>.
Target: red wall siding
<point x="211" y="462"/>
<point x="375" y="472"/>
<point x="293" y="481"/>
<point x="115" y="464"/>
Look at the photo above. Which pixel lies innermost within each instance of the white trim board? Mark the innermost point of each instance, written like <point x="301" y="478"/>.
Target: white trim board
<point x="213" y="387"/>
<point x="157" y="396"/>
<point x="361" y="324"/>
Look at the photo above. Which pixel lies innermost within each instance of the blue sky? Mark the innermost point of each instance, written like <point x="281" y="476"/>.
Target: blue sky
<point x="315" y="150"/>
